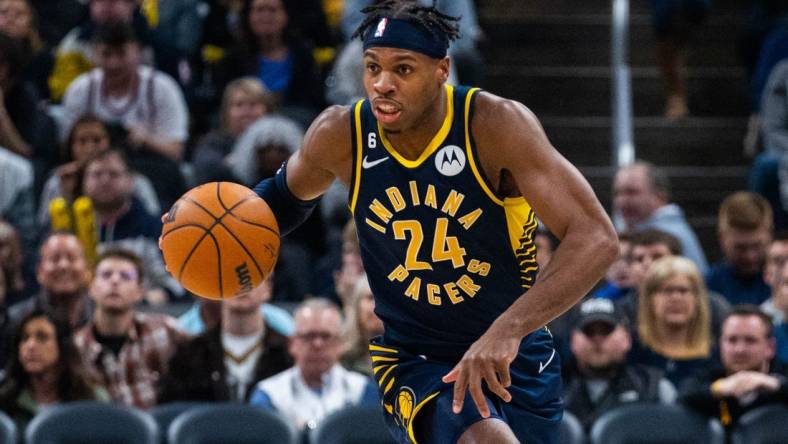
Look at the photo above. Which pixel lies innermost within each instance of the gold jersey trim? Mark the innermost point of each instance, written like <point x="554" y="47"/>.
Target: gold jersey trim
<point x="521" y="222"/>
<point x="357" y="176"/>
<point x="419" y="406"/>
<point x="436" y="141"/>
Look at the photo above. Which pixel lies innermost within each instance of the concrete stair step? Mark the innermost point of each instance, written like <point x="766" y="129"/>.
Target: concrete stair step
<point x="586" y="91"/>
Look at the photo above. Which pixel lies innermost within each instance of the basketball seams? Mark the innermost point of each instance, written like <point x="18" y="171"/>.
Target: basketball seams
<point x="248" y="253"/>
<point x="254" y="224"/>
<point x="194" y="248"/>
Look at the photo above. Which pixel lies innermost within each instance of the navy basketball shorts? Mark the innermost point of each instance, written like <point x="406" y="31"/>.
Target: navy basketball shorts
<point x="418" y="405"/>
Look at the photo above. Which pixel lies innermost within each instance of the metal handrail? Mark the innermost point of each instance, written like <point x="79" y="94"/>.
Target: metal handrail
<point x="623" y="134"/>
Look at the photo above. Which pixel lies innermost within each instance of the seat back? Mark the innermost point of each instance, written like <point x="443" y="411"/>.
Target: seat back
<point x="7" y="430"/>
<point x="352" y="425"/>
<point x="571" y="431"/>
<point x="646" y="423"/>
<point x="165" y="414"/>
<point x="764" y="425"/>
<point x="229" y="423"/>
<point x="89" y="422"/>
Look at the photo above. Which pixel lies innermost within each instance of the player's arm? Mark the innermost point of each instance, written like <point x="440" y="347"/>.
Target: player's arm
<point x="517" y="156"/>
<point x="325" y="155"/>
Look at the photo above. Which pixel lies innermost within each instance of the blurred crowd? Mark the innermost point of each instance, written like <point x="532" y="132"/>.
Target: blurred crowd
<point x="111" y="109"/>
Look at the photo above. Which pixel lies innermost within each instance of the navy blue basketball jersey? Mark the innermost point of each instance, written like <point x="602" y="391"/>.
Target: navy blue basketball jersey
<point x="444" y="254"/>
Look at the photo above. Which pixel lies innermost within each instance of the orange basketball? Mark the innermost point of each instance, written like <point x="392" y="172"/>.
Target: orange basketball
<point x="220" y="240"/>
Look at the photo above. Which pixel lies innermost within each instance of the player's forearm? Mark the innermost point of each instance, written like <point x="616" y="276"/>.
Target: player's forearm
<point x="576" y="266"/>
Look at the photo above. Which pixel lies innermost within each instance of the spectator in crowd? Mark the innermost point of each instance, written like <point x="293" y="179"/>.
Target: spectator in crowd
<point x="244" y="101"/>
<point x="12" y="259"/>
<point x="258" y="153"/>
<point x="125" y="349"/>
<point x="648" y="246"/>
<point x="674" y="321"/>
<point x="223" y="363"/>
<point x="88" y="136"/>
<point x="5" y="324"/>
<point x="317" y="385"/>
<point x="44" y="369"/>
<point x="176" y="28"/>
<point x="16" y="196"/>
<point x="776" y="257"/>
<point x="463" y="51"/>
<point x="206" y="314"/>
<point x="75" y="54"/>
<point x="673" y="22"/>
<point x="361" y="325"/>
<point x="745" y="380"/>
<point x="63" y="274"/>
<point x="620" y="278"/>
<point x="146" y="104"/>
<point x="745" y="230"/>
<point x="603" y="380"/>
<point x="25" y="127"/>
<point x="19" y="21"/>
<point x="780" y="312"/>
<point x="270" y="50"/>
<point x="641" y="196"/>
<point x="122" y="220"/>
<point x="56" y="17"/>
<point x="351" y="269"/>
<point x="546" y="243"/>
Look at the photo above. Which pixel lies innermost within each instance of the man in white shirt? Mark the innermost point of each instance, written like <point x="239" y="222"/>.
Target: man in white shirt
<point x="147" y="103"/>
<point x="317" y="385"/>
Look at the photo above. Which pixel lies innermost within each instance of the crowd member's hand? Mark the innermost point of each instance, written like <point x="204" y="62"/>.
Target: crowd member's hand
<point x="67" y="176"/>
<point x="487" y="360"/>
<point x="744" y="383"/>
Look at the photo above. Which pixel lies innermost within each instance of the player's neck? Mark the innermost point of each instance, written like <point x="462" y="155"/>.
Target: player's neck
<point x="242" y="324"/>
<point x="411" y="142"/>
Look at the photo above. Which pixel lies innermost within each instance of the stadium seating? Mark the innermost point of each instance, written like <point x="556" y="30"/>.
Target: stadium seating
<point x="7" y="430"/>
<point x="764" y="425"/>
<point x="229" y="423"/>
<point x="571" y="431"/>
<point x="165" y="414"/>
<point x="89" y="422"/>
<point x="352" y="425"/>
<point x="655" y="424"/>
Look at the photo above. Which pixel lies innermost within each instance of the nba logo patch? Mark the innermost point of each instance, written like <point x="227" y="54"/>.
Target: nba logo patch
<point x="381" y="27"/>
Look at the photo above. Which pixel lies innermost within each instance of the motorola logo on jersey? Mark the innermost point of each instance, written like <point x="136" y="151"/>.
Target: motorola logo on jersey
<point x="450" y="160"/>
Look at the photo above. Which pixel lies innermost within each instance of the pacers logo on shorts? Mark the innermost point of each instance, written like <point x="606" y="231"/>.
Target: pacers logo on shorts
<point x="406" y="400"/>
<point x="450" y="160"/>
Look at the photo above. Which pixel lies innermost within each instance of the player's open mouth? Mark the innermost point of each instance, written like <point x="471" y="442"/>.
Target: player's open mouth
<point x="386" y="112"/>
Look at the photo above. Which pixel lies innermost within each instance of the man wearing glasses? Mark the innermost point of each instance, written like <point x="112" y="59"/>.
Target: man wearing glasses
<point x="317" y="385"/>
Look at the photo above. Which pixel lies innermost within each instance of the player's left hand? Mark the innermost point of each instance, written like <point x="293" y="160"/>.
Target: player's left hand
<point x="487" y="360"/>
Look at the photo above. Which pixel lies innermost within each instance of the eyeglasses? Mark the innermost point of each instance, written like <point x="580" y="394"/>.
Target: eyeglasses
<point x="311" y="336"/>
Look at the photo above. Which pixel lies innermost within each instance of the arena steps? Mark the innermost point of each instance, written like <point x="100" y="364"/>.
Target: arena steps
<point x="553" y="55"/>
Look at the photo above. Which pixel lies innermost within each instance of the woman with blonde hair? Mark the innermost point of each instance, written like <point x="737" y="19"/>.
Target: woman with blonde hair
<point x="362" y="324"/>
<point x="674" y="321"/>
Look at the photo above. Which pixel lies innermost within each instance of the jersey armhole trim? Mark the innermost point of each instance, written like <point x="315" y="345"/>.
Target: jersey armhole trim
<point x="471" y="153"/>
<point x="356" y="172"/>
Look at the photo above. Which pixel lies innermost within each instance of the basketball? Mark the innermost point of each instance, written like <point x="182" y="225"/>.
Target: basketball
<point x="220" y="240"/>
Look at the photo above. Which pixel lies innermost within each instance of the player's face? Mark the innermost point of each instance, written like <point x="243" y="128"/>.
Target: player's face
<point x="403" y="85"/>
<point x="15" y="18"/>
<point x="675" y="302"/>
<point x="116" y="287"/>
<point x="745" y="250"/>
<point x="62" y="268"/>
<point x="38" y="348"/>
<point x="316" y="344"/>
<point x="745" y="344"/>
<point x="88" y="138"/>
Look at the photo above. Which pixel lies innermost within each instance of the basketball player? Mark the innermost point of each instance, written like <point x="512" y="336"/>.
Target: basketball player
<point x="445" y="184"/>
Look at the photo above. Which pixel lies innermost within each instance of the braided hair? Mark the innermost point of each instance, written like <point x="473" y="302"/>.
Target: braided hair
<point x="427" y="16"/>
